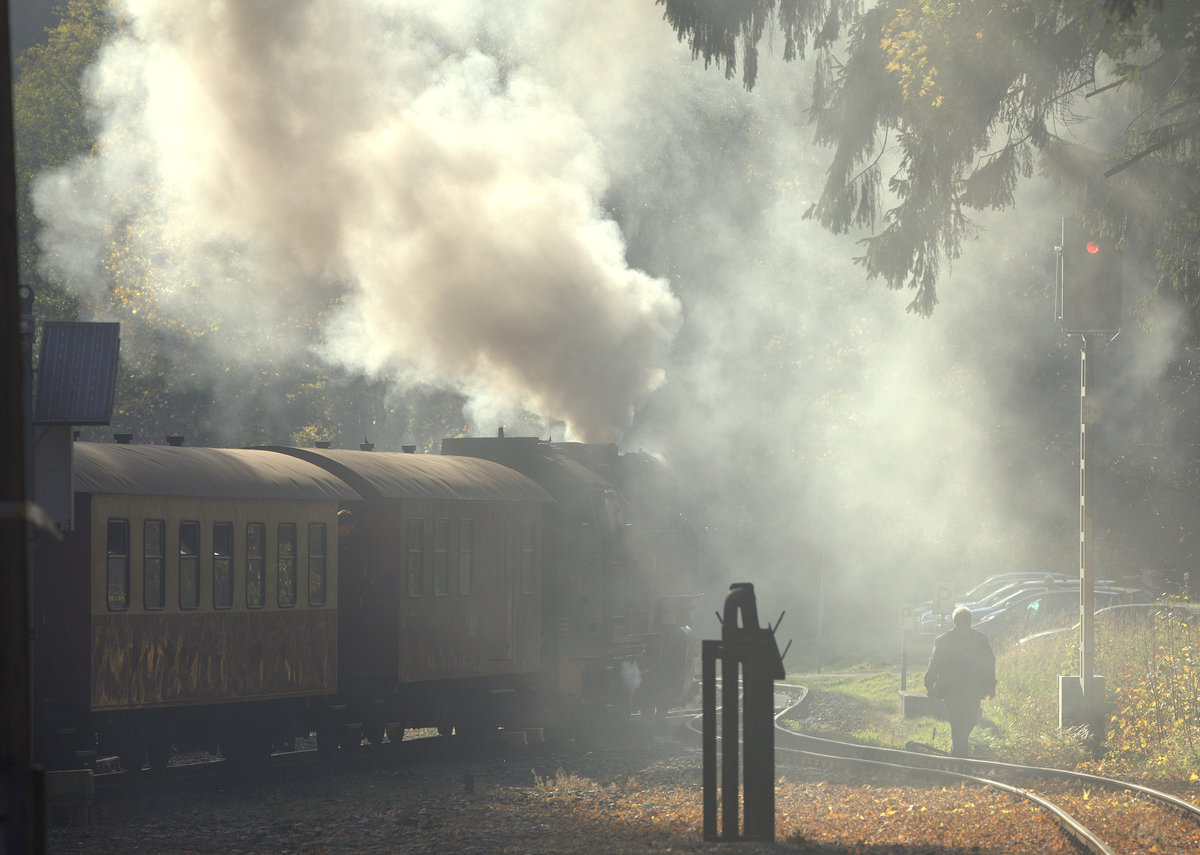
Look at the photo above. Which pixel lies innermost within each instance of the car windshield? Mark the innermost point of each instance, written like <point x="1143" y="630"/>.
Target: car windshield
<point x="1009" y="591"/>
<point x="992" y="585"/>
<point x="989" y="586"/>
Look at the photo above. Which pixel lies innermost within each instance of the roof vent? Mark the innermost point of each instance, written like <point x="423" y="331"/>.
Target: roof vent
<point x="323" y="443"/>
<point x="366" y="446"/>
<point x="409" y="449"/>
<point x="123" y="438"/>
<point x="175" y="440"/>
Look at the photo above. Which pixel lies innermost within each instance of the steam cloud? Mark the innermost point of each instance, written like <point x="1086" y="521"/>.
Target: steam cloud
<point x="286" y="146"/>
<point x="498" y="194"/>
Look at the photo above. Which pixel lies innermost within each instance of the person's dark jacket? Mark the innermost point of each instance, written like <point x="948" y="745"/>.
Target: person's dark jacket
<point x="962" y="664"/>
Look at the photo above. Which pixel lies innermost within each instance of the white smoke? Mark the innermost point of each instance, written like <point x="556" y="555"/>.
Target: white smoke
<point x="287" y="150"/>
<point x="494" y="195"/>
<point x="631" y="676"/>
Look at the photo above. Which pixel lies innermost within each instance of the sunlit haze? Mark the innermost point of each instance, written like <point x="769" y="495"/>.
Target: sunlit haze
<point x="550" y="209"/>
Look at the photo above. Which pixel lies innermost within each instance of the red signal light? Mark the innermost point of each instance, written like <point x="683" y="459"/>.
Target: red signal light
<point x="1092" y="279"/>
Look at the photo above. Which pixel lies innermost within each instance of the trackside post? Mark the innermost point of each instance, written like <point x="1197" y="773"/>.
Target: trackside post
<point x="751" y="650"/>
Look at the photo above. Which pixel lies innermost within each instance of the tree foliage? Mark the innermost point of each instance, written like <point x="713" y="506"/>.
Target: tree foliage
<point x="50" y="123"/>
<point x="937" y="109"/>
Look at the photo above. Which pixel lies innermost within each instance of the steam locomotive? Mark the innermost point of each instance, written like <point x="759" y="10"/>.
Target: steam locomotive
<point x="242" y="598"/>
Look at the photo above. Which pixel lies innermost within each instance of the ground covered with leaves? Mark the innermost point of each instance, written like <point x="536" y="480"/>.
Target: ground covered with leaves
<point x="640" y="796"/>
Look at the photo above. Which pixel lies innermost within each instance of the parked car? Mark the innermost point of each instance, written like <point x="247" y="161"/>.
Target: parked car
<point x="1122" y="614"/>
<point x="999" y="598"/>
<point x="992" y="584"/>
<point x="1045" y="610"/>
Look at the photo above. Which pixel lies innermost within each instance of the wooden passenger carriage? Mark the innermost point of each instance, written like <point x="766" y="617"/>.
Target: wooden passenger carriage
<point x="206" y="597"/>
<point x="196" y="601"/>
<point x="619" y="565"/>
<point x="441" y="589"/>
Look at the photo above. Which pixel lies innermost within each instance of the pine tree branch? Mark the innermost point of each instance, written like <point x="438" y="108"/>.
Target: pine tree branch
<point x="1182" y="133"/>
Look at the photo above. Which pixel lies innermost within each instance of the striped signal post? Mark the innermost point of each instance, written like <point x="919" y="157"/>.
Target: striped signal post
<point x="1088" y="304"/>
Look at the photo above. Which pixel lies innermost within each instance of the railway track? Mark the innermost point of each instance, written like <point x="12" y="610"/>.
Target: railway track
<point x="1099" y="815"/>
<point x="200" y="772"/>
<point x="830" y="793"/>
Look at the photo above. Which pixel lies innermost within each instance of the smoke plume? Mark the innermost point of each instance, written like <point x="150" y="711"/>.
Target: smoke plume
<point x="283" y="151"/>
<point x="549" y="207"/>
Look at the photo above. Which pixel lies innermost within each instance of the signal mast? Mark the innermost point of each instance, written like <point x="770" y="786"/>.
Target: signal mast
<point x="1089" y="278"/>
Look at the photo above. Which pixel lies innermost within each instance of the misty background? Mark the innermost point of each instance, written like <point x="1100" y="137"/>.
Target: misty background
<point x="545" y="216"/>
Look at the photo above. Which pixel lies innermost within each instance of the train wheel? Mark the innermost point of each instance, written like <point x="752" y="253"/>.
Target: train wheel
<point x="351" y="738"/>
<point x="474" y="731"/>
<point x="327" y="741"/>
<point x="246" y="747"/>
<point x="158" y="749"/>
<point x="373" y="731"/>
<point x="68" y="750"/>
<point x="131" y="751"/>
<point x="244" y="751"/>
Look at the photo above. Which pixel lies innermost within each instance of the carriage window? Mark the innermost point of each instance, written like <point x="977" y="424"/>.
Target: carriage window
<point x="501" y="556"/>
<point x="189" y="565"/>
<point x="118" y="565"/>
<point x="528" y="541"/>
<point x="416" y="556"/>
<point x="256" y="563"/>
<point x="154" y="535"/>
<point x="441" y="557"/>
<point x="466" y="549"/>
<point x="285" y="568"/>
<point x="223" y="565"/>
<point x="316" y="564"/>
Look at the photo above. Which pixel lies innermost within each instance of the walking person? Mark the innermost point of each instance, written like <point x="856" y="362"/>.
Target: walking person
<point x="962" y="671"/>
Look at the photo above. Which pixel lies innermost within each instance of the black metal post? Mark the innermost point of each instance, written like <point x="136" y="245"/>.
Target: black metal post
<point x="730" y="734"/>
<point x="752" y="650"/>
<point x="21" y="811"/>
<point x="708" y="703"/>
<point x="759" y="734"/>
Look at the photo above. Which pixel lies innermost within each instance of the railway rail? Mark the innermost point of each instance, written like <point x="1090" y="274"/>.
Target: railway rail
<point x="1129" y="818"/>
<point x="831" y="793"/>
<point x="205" y="771"/>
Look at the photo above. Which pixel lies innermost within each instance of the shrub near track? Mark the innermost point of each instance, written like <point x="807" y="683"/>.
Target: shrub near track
<point x="1152" y="680"/>
<point x="1154" y="697"/>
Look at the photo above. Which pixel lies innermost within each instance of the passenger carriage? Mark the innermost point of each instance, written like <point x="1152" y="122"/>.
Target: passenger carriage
<point x="196" y="601"/>
<point x="440" y="592"/>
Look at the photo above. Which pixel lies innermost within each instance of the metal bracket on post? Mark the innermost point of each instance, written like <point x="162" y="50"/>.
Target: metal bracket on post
<point x="753" y="650"/>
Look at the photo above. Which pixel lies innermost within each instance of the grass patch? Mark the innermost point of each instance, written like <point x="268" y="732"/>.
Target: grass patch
<point x="875" y="689"/>
<point x="1152" y="673"/>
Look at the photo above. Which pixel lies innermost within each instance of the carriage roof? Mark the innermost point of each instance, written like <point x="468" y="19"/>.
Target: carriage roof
<point x="394" y="475"/>
<point x="229" y="473"/>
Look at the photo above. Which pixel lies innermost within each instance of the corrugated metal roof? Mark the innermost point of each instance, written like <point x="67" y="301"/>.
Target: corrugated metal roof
<point x="392" y="475"/>
<point x="235" y="473"/>
<point x="77" y="373"/>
